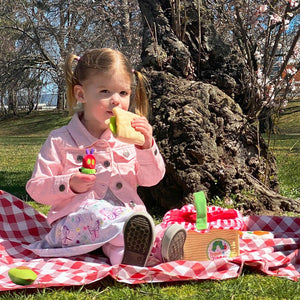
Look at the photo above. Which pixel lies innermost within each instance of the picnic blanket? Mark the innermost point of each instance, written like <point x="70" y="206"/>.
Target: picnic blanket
<point x="21" y="225"/>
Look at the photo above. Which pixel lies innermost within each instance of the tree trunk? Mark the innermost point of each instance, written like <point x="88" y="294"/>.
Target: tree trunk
<point x="12" y="101"/>
<point x="3" y="109"/>
<point x="60" y="96"/>
<point x="202" y="133"/>
<point x="125" y="27"/>
<point x="161" y="49"/>
<point x="265" y="121"/>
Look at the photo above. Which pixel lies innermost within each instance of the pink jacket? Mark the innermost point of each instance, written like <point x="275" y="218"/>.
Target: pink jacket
<point x="119" y="166"/>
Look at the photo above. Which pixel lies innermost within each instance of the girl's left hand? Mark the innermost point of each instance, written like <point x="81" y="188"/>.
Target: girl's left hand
<point x="142" y="125"/>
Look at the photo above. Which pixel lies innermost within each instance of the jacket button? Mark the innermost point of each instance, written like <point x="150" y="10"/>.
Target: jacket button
<point x="126" y="154"/>
<point x="62" y="187"/>
<point x="155" y="152"/>
<point x="131" y="204"/>
<point x="119" y="185"/>
<point x="106" y="164"/>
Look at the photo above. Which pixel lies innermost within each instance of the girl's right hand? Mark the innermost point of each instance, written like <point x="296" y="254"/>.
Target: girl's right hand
<point x="81" y="183"/>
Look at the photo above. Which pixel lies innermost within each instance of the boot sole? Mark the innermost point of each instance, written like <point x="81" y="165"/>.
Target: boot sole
<point x="138" y="239"/>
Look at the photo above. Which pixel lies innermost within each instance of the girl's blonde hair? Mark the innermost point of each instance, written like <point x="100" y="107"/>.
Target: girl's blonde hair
<point x="103" y="60"/>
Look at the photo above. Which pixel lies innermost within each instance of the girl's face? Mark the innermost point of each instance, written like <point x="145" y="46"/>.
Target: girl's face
<point x="99" y="94"/>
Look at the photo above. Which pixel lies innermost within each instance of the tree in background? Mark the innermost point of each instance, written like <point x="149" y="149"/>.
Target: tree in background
<point x="46" y="31"/>
<point x="259" y="38"/>
<point x="257" y="34"/>
<point x="7" y="85"/>
<point x="266" y="34"/>
<point x="208" y="143"/>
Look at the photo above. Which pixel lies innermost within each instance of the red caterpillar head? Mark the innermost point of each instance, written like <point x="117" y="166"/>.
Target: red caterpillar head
<point x="89" y="160"/>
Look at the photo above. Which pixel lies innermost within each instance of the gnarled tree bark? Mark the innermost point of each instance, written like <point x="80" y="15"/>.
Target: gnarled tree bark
<point x="201" y="131"/>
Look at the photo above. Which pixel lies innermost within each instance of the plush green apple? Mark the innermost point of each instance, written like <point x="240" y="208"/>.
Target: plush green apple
<point x="22" y="275"/>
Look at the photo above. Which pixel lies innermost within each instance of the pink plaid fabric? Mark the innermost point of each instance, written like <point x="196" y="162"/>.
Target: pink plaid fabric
<point x="217" y="218"/>
<point x="21" y="225"/>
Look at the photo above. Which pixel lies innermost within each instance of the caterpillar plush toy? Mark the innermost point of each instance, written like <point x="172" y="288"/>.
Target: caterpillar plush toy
<point x="88" y="162"/>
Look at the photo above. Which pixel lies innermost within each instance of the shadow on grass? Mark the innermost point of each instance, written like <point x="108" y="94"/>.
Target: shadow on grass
<point x="290" y="110"/>
<point x="15" y="184"/>
<point x="35" y="123"/>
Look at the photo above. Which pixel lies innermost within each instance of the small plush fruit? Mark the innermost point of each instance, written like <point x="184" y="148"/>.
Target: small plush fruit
<point x="22" y="275"/>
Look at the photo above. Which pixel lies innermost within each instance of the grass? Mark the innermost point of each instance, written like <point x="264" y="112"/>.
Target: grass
<point x="286" y="147"/>
<point x="21" y="138"/>
<point x="20" y="141"/>
<point x="289" y="122"/>
<point x="247" y="286"/>
<point x="287" y="152"/>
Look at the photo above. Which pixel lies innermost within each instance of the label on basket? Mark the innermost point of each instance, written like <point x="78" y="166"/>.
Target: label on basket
<point x="212" y="245"/>
<point x="218" y="248"/>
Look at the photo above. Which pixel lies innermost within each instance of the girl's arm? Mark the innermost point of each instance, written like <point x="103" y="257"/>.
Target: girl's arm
<point x="150" y="166"/>
<point x="49" y="184"/>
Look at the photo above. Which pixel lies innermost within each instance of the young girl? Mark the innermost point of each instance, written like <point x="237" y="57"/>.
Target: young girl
<point x="89" y="211"/>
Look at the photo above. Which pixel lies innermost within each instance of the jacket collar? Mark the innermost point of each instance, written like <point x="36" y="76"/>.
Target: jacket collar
<point x="82" y="136"/>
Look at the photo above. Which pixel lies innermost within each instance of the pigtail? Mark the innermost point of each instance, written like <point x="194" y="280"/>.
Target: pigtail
<point x="70" y="81"/>
<point x="141" y="94"/>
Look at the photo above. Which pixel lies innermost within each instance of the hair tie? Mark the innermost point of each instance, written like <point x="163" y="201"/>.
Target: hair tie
<point x="133" y="70"/>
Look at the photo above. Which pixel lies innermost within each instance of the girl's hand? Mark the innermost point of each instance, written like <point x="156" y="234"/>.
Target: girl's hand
<point x="81" y="183"/>
<point x="142" y="125"/>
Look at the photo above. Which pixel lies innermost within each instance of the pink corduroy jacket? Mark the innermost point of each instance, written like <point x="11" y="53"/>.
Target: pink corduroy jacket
<point x="120" y="167"/>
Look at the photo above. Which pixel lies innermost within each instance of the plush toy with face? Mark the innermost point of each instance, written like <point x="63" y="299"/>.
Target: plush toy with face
<point x="88" y="162"/>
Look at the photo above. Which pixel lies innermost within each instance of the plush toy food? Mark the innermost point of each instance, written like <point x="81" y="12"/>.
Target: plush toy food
<point x="201" y="209"/>
<point x="88" y="162"/>
<point x="120" y="126"/>
<point x="22" y="275"/>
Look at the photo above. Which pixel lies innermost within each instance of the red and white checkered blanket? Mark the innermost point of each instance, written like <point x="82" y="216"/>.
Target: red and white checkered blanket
<point x="21" y="225"/>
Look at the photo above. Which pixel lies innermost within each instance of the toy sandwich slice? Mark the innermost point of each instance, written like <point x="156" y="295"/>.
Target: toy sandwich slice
<point x="120" y="126"/>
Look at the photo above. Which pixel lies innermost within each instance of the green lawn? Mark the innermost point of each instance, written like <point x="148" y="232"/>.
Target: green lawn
<point x="287" y="152"/>
<point x="247" y="286"/>
<point x="289" y="122"/>
<point x="20" y="141"/>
